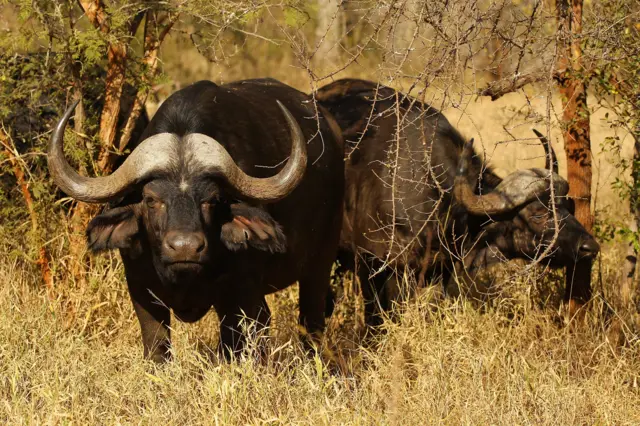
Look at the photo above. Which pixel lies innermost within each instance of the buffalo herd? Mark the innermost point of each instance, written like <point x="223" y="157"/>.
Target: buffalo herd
<point x="239" y="190"/>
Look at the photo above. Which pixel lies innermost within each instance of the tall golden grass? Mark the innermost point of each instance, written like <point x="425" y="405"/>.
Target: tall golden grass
<point x="77" y="359"/>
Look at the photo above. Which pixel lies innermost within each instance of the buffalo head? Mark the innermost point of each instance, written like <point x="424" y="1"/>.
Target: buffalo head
<point x="192" y="202"/>
<point x="522" y="207"/>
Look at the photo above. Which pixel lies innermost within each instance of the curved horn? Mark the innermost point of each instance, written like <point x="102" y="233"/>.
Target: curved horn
<point x="516" y="189"/>
<point x="549" y="153"/>
<point x="216" y="160"/>
<point x="151" y="156"/>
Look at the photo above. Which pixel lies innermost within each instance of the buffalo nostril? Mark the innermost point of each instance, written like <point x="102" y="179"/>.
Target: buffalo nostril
<point x="200" y="243"/>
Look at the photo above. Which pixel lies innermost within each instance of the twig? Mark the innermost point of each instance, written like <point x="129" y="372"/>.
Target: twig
<point x="500" y="88"/>
<point x="152" y="43"/>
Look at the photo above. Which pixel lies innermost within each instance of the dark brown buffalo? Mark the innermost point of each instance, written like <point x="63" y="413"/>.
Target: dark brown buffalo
<point x="231" y="194"/>
<point x="417" y="200"/>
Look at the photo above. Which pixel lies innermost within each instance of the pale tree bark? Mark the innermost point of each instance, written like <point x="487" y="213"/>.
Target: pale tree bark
<point x="117" y="58"/>
<point x="630" y="278"/>
<point x="329" y="32"/>
<point x="577" y="139"/>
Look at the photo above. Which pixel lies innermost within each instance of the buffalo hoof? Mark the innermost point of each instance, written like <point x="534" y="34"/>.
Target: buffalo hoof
<point x="158" y="356"/>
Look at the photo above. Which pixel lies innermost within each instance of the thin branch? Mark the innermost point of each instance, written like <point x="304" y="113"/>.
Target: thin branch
<point x="152" y="43"/>
<point x="502" y="87"/>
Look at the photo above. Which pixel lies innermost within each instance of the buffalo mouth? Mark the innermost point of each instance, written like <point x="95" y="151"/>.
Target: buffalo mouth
<point x="185" y="266"/>
<point x="570" y="256"/>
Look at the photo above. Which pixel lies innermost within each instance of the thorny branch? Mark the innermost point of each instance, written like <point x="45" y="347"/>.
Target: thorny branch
<point x="154" y="35"/>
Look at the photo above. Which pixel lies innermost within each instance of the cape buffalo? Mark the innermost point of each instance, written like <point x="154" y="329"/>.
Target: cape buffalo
<point x="209" y="212"/>
<point x="417" y="199"/>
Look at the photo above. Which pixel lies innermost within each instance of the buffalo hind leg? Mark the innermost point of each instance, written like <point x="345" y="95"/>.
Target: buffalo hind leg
<point x="374" y="294"/>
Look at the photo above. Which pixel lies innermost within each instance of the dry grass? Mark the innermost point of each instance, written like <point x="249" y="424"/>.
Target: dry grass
<point x="78" y="360"/>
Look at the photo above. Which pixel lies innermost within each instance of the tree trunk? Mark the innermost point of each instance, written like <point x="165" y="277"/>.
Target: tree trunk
<point x="329" y="32"/>
<point x="114" y="84"/>
<point x="576" y="138"/>
<point x="117" y="55"/>
<point x="630" y="278"/>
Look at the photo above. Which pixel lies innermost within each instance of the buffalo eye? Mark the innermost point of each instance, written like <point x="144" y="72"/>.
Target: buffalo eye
<point x="540" y="216"/>
<point x="207" y="204"/>
<point x="152" y="202"/>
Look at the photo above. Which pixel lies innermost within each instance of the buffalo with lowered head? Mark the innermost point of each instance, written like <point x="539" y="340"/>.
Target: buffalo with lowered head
<point x="231" y="194"/>
<point x="418" y="201"/>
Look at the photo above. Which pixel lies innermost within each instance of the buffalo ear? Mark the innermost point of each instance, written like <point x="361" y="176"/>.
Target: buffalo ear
<point x="252" y="227"/>
<point x="116" y="228"/>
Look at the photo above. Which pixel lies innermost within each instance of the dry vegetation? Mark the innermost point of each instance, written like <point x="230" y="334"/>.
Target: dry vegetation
<point x="71" y="354"/>
<point x="77" y="359"/>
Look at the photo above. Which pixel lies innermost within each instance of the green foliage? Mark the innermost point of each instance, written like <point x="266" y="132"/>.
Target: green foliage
<point x="50" y="50"/>
<point x="294" y="17"/>
<point x="616" y="55"/>
<point x="88" y="47"/>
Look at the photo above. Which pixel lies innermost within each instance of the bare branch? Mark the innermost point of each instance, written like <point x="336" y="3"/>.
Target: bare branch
<point x="499" y="88"/>
<point x="154" y="36"/>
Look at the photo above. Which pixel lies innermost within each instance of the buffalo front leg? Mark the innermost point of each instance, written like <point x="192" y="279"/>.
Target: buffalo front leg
<point x="153" y="315"/>
<point x="314" y="294"/>
<point x="242" y="320"/>
<point x="155" y="320"/>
